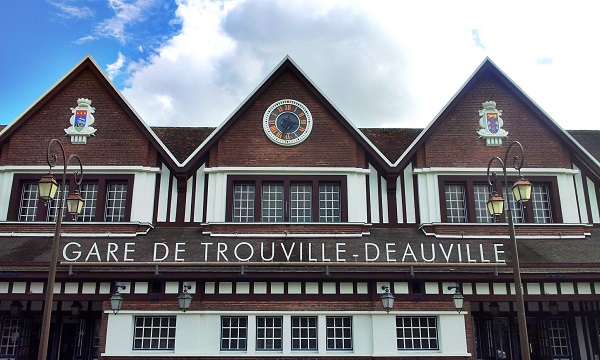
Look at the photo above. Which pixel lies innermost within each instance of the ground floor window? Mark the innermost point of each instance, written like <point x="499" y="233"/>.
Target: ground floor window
<point x="339" y="333"/>
<point x="14" y="338"/>
<point x="304" y="333"/>
<point x="154" y="333"/>
<point x="269" y="332"/>
<point x="416" y="333"/>
<point x="234" y="332"/>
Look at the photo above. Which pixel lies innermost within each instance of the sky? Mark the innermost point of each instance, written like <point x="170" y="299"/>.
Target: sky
<point x="380" y="63"/>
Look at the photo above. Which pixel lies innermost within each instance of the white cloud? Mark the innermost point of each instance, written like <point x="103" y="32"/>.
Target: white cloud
<point x="126" y="13"/>
<point x="70" y="11"/>
<point x="388" y="63"/>
<point x="115" y="68"/>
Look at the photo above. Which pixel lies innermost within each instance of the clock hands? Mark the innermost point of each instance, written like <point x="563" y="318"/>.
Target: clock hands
<point x="289" y="122"/>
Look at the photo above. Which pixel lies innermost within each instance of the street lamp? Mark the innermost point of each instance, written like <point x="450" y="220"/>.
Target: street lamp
<point x="387" y="299"/>
<point x="185" y="299"/>
<point x="522" y="193"/>
<point x="116" y="300"/>
<point x="457" y="299"/>
<point x="48" y="187"/>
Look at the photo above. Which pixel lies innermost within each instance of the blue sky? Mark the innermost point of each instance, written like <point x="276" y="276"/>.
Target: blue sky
<point x="381" y="63"/>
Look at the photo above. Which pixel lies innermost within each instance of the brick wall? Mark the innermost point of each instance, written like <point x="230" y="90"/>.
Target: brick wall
<point x="455" y="142"/>
<point x="245" y="143"/>
<point x="118" y="140"/>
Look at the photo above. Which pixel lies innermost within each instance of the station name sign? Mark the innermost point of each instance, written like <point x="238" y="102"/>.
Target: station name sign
<point x="350" y="250"/>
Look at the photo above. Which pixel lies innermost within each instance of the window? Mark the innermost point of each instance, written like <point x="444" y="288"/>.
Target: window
<point x="104" y="199"/>
<point x="29" y="202"/>
<point x="272" y="202"/>
<point x="329" y="203"/>
<point x="339" y="333"/>
<point x="243" y="202"/>
<point x="234" y="332"/>
<point x="540" y="201"/>
<point x="292" y="199"/>
<point x="464" y="201"/>
<point x="301" y="203"/>
<point x="116" y="197"/>
<point x="14" y="338"/>
<point x="416" y="333"/>
<point x="558" y="336"/>
<point x="481" y="193"/>
<point x="89" y="194"/>
<point x="154" y="333"/>
<point x="515" y="207"/>
<point x="304" y="333"/>
<point x="456" y="205"/>
<point x="269" y="333"/>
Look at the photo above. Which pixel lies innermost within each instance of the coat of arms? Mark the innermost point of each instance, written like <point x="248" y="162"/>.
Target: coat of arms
<point x="491" y="124"/>
<point x="81" y="122"/>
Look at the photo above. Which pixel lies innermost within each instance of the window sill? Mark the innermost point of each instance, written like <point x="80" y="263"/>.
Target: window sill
<point x="283" y="230"/>
<point x="70" y="228"/>
<point x="500" y="230"/>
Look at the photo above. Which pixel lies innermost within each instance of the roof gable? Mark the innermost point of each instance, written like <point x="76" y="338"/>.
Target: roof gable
<point x="270" y="91"/>
<point x="50" y="115"/>
<point x="488" y="71"/>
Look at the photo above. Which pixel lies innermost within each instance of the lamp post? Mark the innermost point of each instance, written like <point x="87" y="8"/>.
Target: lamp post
<point x="457" y="298"/>
<point x="387" y="299"/>
<point x="116" y="300"/>
<point x="48" y="188"/>
<point x="185" y="299"/>
<point x="522" y="193"/>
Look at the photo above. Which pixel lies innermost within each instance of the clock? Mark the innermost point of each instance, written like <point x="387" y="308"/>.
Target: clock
<point x="287" y="122"/>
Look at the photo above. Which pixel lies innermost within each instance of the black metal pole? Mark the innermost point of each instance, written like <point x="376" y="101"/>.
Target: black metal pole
<point x="520" y="303"/>
<point x="47" y="315"/>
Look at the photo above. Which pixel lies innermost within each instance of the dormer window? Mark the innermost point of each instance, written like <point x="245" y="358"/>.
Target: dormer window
<point x="105" y="199"/>
<point x="286" y="199"/>
<point x="464" y="201"/>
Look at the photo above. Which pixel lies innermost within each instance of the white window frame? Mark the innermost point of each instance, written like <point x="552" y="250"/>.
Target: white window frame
<point x="237" y="333"/>
<point x="413" y="326"/>
<point x="269" y="334"/>
<point x="304" y="335"/>
<point x="339" y="332"/>
<point x="150" y="334"/>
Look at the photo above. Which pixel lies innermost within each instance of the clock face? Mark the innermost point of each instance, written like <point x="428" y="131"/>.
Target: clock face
<point x="287" y="122"/>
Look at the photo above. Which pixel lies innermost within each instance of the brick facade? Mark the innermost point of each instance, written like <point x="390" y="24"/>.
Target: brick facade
<point x="454" y="140"/>
<point x="246" y="145"/>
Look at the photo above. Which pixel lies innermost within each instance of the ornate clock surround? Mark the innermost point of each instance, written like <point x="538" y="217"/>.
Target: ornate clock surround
<point x="287" y="122"/>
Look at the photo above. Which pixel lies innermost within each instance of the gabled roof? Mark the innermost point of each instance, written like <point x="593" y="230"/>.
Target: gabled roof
<point x="286" y="64"/>
<point x="488" y="68"/>
<point x="182" y="141"/>
<point x="88" y="63"/>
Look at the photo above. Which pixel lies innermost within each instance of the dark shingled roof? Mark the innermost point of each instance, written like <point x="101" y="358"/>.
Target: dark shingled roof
<point x="182" y="141"/>
<point x="391" y="141"/>
<point x="589" y="139"/>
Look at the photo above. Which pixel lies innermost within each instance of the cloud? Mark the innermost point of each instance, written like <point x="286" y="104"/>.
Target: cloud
<point x="477" y="38"/>
<point x="396" y="64"/>
<point x="225" y="49"/>
<point x="69" y="11"/>
<point x="126" y="14"/>
<point x="115" y="68"/>
<point x="85" y="39"/>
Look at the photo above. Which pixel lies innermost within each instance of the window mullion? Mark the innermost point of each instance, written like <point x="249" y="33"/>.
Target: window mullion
<point x="258" y="201"/>
<point x="315" y="201"/>
<point x="286" y="200"/>
<point x="470" y="201"/>
<point x="101" y="201"/>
